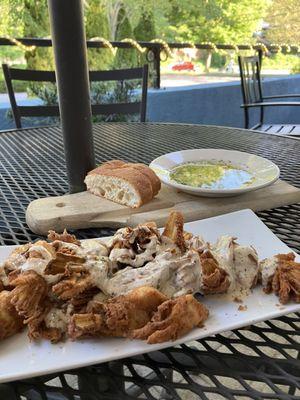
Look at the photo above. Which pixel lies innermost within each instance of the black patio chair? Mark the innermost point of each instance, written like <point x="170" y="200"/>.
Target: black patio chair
<point x="252" y="97"/>
<point x="139" y="107"/>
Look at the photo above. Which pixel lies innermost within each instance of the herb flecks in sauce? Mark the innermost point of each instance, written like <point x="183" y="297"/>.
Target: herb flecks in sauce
<point x="211" y="175"/>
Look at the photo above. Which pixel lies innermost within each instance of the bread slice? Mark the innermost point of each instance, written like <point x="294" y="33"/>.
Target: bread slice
<point x="126" y="183"/>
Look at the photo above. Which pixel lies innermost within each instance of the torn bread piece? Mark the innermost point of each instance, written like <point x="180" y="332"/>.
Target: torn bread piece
<point x="125" y="183"/>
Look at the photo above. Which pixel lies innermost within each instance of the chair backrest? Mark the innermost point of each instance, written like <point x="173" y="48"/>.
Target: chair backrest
<point x="11" y="74"/>
<point x="250" y="79"/>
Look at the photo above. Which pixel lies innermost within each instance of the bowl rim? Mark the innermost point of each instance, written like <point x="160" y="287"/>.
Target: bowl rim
<point x="207" y="190"/>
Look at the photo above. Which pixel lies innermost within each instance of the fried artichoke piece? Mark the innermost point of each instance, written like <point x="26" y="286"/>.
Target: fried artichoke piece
<point x="86" y="325"/>
<point x="286" y="280"/>
<point x="134" y="246"/>
<point x="174" y="230"/>
<point x="10" y="321"/>
<point x="76" y="280"/>
<point x="214" y="278"/>
<point x="144" y="298"/>
<point x="37" y="328"/>
<point x="29" y="294"/>
<point x="58" y="265"/>
<point x="17" y="257"/>
<point x="63" y="237"/>
<point x="84" y="299"/>
<point x="41" y="249"/>
<point x="173" y="319"/>
<point x="118" y="316"/>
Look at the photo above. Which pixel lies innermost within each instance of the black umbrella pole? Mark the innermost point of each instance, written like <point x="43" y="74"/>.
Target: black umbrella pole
<point x="69" y="45"/>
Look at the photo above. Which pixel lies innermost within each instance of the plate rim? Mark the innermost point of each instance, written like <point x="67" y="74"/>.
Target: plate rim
<point x="187" y="188"/>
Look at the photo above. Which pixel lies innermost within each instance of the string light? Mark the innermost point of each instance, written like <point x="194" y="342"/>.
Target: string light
<point x="296" y="47"/>
<point x="134" y="44"/>
<point x="20" y="44"/>
<point x="190" y="45"/>
<point x="106" y="44"/>
<point x="234" y="47"/>
<point x="165" y="46"/>
<point x="212" y="46"/>
<point x="262" y="47"/>
<point x="287" y="48"/>
<point x="273" y="47"/>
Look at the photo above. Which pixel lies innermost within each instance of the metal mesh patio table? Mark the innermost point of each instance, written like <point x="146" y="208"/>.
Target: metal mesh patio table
<point x="257" y="362"/>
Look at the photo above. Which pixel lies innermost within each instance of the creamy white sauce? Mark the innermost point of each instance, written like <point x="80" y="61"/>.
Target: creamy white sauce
<point x="58" y="318"/>
<point x="45" y="253"/>
<point x="94" y="248"/>
<point x="158" y="263"/>
<point x="245" y="265"/>
<point x="240" y="263"/>
<point x="123" y="252"/>
<point x="198" y="243"/>
<point x="267" y="268"/>
<point x="14" y="261"/>
<point x="186" y="276"/>
<point x="39" y="265"/>
<point x="99" y="271"/>
<point x="222" y="251"/>
<point x="171" y="274"/>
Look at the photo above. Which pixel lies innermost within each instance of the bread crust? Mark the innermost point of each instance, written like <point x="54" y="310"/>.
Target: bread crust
<point x="112" y="164"/>
<point x="142" y="178"/>
<point x="155" y="181"/>
<point x="139" y="176"/>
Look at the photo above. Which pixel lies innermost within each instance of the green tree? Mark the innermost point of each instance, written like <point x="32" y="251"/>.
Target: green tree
<point x="125" y="58"/>
<point x="284" y="22"/>
<point x="226" y="21"/>
<point x="145" y="29"/>
<point x="96" y="24"/>
<point x="11" y="12"/>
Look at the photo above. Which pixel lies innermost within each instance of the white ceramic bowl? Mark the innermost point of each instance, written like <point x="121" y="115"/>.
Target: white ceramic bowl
<point x="264" y="172"/>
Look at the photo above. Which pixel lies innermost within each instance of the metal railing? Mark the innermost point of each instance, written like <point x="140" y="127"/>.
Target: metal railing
<point x="155" y="50"/>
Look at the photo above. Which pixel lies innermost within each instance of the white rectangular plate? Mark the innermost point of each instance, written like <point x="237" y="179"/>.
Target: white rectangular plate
<point x="21" y="359"/>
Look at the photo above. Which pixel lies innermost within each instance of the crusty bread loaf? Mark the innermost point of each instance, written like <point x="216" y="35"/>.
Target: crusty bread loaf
<point x="126" y="183"/>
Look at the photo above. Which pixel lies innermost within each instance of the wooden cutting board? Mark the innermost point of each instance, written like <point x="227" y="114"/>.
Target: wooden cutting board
<point x="84" y="210"/>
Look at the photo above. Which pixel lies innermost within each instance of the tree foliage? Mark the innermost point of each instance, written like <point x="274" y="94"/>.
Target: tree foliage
<point x="96" y="24"/>
<point x="125" y="58"/>
<point x="218" y="21"/>
<point x="283" y="18"/>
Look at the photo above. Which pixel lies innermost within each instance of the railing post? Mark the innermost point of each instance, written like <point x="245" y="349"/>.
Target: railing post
<point x="156" y="63"/>
<point x="260" y="57"/>
<point x="69" y="45"/>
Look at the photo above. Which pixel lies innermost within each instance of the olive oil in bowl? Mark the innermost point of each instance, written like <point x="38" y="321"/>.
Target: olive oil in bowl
<point x="209" y="175"/>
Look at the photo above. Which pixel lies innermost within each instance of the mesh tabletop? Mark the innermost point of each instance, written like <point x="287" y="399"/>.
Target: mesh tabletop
<point x="257" y="362"/>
